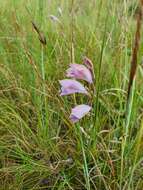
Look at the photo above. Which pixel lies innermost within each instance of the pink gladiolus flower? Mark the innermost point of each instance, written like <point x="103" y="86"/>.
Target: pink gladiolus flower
<point x="79" y="72"/>
<point x="69" y="86"/>
<point x="79" y="112"/>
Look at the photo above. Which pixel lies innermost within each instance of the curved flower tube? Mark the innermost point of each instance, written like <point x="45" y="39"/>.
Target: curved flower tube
<point x="79" y="112"/>
<point x="69" y="86"/>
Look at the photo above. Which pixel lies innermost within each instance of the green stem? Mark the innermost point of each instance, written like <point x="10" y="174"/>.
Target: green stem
<point x="86" y="173"/>
<point x="126" y="130"/>
<point x="137" y="150"/>
<point x="43" y="87"/>
<point x="98" y="83"/>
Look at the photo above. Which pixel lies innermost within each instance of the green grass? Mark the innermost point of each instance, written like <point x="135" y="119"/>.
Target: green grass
<point x="39" y="148"/>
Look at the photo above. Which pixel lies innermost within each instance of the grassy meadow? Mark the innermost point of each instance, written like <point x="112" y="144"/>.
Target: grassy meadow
<point x="40" y="149"/>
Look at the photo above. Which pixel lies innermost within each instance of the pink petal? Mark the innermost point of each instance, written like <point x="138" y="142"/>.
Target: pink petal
<point x="69" y="86"/>
<point x="79" y="112"/>
<point x="79" y="71"/>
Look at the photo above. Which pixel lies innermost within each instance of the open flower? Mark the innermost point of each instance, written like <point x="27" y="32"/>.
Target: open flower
<point x="69" y="86"/>
<point x="79" y="112"/>
<point x="79" y="71"/>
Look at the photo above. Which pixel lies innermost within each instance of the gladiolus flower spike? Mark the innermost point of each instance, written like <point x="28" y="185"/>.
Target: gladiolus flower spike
<point x="71" y="86"/>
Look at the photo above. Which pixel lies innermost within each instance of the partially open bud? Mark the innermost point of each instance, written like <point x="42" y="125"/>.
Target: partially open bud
<point x="88" y="63"/>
